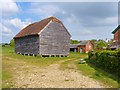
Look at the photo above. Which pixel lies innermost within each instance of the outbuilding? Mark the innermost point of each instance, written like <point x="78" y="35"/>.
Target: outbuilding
<point x="82" y="47"/>
<point x="85" y="46"/>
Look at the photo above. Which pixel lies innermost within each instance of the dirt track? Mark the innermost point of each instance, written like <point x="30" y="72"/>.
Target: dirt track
<point x="51" y="77"/>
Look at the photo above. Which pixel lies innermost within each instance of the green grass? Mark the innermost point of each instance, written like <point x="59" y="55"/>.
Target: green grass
<point x="40" y="61"/>
<point x="37" y="60"/>
<point x="72" y="58"/>
<point x="6" y="82"/>
<point x="97" y="74"/>
<point x="6" y="75"/>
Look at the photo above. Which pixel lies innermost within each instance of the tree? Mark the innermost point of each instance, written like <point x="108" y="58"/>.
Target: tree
<point x="74" y="42"/>
<point x="110" y="41"/>
<point x="93" y="42"/>
<point x="12" y="43"/>
<point x="101" y="44"/>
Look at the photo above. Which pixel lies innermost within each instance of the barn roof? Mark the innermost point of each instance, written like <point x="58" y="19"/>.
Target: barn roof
<point x="81" y="43"/>
<point x="116" y="29"/>
<point x="35" y="28"/>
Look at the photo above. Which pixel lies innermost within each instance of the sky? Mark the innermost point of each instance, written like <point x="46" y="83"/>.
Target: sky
<point x="84" y="20"/>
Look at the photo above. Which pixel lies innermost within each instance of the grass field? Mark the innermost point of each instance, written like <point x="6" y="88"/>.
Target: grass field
<point x="11" y="60"/>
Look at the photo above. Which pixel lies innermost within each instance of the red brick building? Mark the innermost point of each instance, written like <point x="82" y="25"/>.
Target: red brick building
<point x="82" y="47"/>
<point x="116" y="43"/>
<point x="85" y="46"/>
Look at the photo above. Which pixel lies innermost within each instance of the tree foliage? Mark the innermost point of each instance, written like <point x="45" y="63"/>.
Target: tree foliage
<point x="93" y="42"/>
<point x="101" y="44"/>
<point x="12" y="43"/>
<point x="106" y="60"/>
<point x="74" y="42"/>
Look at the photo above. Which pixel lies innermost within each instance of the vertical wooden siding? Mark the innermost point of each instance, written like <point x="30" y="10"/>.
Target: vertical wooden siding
<point x="54" y="40"/>
<point x="27" y="45"/>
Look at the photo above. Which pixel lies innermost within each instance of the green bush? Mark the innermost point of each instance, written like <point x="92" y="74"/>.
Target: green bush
<point x="12" y="43"/>
<point x="106" y="60"/>
<point x="118" y="53"/>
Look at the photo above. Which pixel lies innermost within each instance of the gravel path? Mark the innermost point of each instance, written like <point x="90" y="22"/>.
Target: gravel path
<point x="51" y="77"/>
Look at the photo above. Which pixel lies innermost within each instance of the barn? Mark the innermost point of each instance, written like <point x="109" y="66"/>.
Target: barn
<point x="48" y="37"/>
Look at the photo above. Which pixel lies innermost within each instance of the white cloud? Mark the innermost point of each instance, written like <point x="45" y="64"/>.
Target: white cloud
<point x="74" y="26"/>
<point x="86" y="32"/>
<point x="6" y="31"/>
<point x="45" y="10"/>
<point x="11" y="26"/>
<point x="111" y="20"/>
<point x="8" y="7"/>
<point x="72" y="23"/>
<point x="108" y="21"/>
<point x="72" y="18"/>
<point x="16" y="22"/>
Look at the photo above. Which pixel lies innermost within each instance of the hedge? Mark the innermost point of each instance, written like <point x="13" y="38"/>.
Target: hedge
<point x="106" y="60"/>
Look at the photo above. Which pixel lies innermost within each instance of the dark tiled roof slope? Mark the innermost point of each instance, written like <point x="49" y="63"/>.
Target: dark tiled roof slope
<point x="74" y="45"/>
<point x="81" y="43"/>
<point x="116" y="29"/>
<point x="84" y="42"/>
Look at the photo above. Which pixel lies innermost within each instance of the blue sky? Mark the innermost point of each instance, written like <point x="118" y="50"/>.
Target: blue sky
<point x="84" y="20"/>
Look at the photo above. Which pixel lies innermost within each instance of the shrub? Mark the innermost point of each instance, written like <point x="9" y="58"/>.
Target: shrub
<point x="12" y="43"/>
<point x="106" y="60"/>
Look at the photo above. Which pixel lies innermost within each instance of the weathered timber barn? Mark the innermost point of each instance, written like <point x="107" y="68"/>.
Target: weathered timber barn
<point x="48" y="37"/>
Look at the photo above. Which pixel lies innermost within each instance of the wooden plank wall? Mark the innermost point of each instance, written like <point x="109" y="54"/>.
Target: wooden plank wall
<point x="27" y="45"/>
<point x="54" y="40"/>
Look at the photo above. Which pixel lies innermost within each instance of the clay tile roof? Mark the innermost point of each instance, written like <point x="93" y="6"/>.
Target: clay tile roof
<point x="35" y="28"/>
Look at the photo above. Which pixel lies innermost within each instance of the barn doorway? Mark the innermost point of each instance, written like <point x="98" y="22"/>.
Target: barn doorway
<point x="73" y="49"/>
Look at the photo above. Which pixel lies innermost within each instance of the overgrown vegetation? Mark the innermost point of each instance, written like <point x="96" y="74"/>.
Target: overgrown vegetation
<point x="107" y="61"/>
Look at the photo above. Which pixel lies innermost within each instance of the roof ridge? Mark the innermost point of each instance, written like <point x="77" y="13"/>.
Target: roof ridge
<point x="53" y="18"/>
